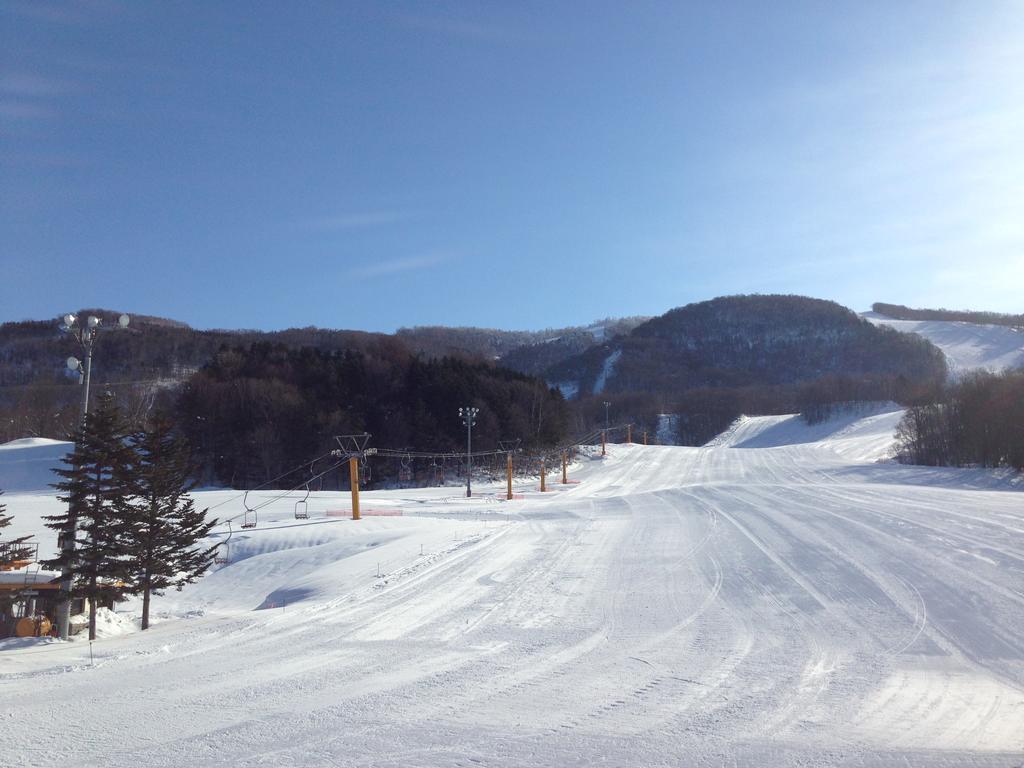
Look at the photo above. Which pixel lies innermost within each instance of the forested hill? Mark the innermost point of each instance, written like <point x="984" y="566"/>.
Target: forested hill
<point x="155" y="348"/>
<point x="252" y="413"/>
<point x="152" y="348"/>
<point x="741" y="341"/>
<point x="525" y="351"/>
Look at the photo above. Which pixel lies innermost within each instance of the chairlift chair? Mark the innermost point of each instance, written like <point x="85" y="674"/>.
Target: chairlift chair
<point x="302" y="507"/>
<point x="250" y="518"/>
<point x="405" y="473"/>
<point x="222" y="556"/>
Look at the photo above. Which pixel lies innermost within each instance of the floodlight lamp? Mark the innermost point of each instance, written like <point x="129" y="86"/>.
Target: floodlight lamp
<point x="74" y="364"/>
<point x="93" y="321"/>
<point x="123" y="321"/>
<point x="69" y="320"/>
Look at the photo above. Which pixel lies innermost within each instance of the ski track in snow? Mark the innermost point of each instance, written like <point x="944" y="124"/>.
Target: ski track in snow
<point x="783" y="606"/>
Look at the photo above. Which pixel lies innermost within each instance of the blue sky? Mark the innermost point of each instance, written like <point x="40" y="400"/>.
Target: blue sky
<point x="518" y="165"/>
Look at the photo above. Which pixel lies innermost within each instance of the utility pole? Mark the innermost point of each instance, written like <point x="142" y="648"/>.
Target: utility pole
<point x="468" y="416"/>
<point x="543" y="476"/>
<point x="565" y="471"/>
<point x="607" y="405"/>
<point x="85" y="334"/>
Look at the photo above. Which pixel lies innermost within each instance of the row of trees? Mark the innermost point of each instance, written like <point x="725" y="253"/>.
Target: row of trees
<point x="135" y="529"/>
<point x="901" y="312"/>
<point x="979" y="421"/>
<point x="254" y="413"/>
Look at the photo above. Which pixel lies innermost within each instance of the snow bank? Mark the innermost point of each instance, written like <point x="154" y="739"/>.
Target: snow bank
<point x="27" y="464"/>
<point x="863" y="433"/>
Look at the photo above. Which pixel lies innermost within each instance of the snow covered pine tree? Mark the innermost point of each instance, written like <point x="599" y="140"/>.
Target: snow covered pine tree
<point x="96" y="488"/>
<point x="165" y="525"/>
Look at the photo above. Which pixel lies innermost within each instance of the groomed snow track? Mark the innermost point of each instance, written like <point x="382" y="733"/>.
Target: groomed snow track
<point x="721" y="606"/>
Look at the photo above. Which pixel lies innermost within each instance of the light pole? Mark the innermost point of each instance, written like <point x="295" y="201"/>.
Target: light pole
<point x="607" y="405"/>
<point x="85" y="334"/>
<point x="469" y="419"/>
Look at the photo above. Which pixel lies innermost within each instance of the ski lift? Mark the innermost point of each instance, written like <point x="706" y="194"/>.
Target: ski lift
<point x="302" y="507"/>
<point x="405" y="473"/>
<point x="223" y="554"/>
<point x="250" y="518"/>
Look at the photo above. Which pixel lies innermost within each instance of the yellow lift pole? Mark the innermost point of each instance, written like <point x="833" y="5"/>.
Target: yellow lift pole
<point x="565" y="475"/>
<point x="543" y="477"/>
<point x="353" y="475"/>
<point x="629" y="434"/>
<point x="603" y="450"/>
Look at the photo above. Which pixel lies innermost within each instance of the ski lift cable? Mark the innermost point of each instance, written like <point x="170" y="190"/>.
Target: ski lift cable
<point x="278" y="497"/>
<point x="272" y="480"/>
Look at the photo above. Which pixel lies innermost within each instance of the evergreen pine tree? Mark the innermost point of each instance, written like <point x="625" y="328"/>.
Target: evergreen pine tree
<point x="96" y="487"/>
<point x="166" y="526"/>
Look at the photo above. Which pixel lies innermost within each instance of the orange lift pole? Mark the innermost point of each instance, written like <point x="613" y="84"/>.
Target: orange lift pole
<point x="353" y="475"/>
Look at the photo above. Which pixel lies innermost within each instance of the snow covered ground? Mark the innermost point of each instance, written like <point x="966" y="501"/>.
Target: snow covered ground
<point x="967" y="346"/>
<point x="777" y="599"/>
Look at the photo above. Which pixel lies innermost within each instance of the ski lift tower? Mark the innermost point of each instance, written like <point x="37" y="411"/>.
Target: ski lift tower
<point x="354" y="448"/>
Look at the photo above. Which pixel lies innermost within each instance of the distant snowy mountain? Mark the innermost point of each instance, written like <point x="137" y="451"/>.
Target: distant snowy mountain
<point x="967" y="346"/>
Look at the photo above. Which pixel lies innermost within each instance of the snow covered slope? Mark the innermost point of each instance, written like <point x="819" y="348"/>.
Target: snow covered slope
<point x="863" y="433"/>
<point x="27" y="464"/>
<point x="783" y="606"/>
<point x="967" y="346"/>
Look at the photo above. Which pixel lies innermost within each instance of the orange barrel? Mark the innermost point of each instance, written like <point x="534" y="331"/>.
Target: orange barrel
<point x="32" y="627"/>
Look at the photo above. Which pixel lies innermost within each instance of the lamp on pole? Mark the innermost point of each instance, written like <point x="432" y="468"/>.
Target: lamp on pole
<point x="469" y="419"/>
<point x="607" y="405"/>
<point x="84" y="332"/>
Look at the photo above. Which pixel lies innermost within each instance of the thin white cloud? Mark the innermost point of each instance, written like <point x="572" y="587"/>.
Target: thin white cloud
<point x="24" y="110"/>
<point x="68" y="13"/>
<point x="451" y="27"/>
<point x="29" y="84"/>
<point x="355" y="220"/>
<point x="401" y="265"/>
